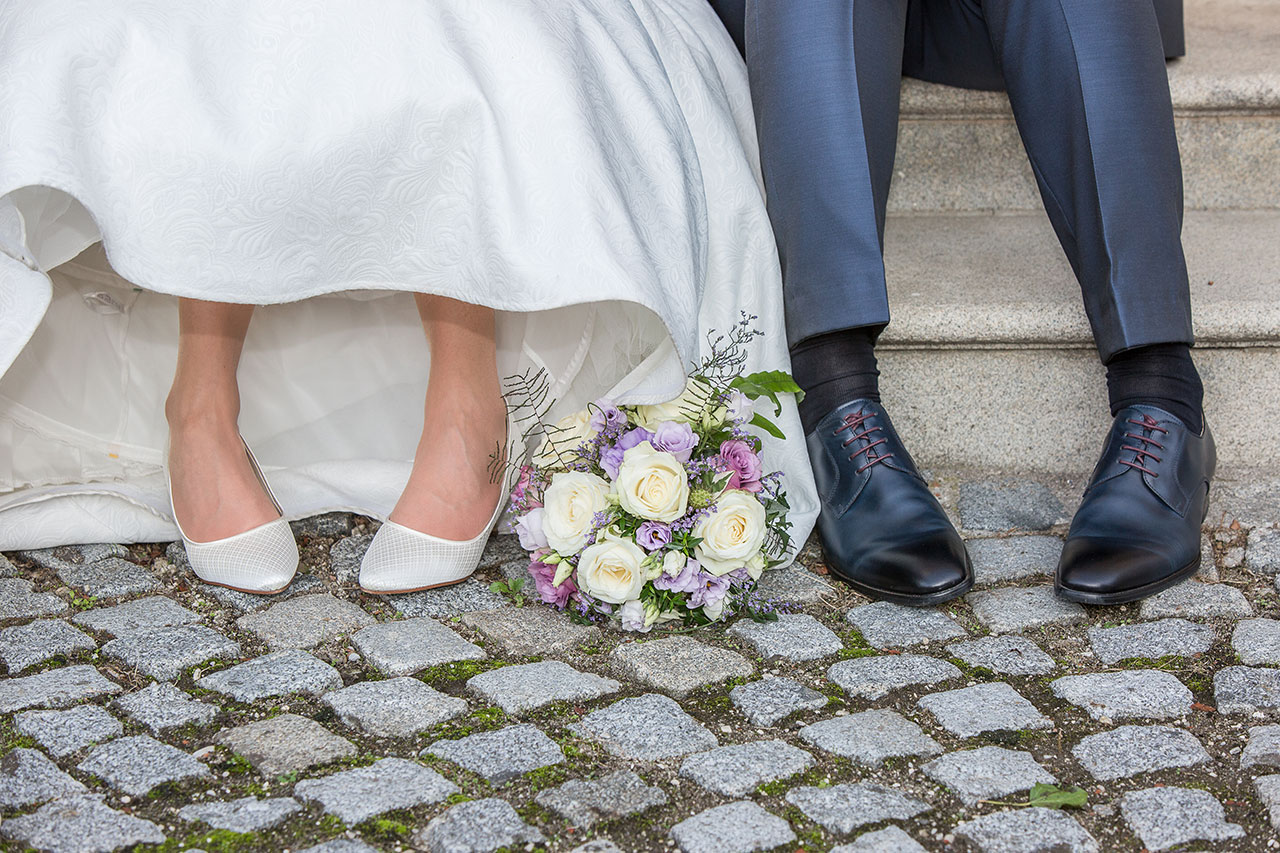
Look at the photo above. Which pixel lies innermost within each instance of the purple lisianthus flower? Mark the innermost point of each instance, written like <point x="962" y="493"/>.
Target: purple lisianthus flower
<point x="653" y="536"/>
<point x="632" y="615"/>
<point x="605" y="415"/>
<point x="744" y="463"/>
<point x="557" y="596"/>
<point x="710" y="590"/>
<point x="676" y="438"/>
<point x="529" y="529"/>
<point x="611" y="457"/>
<point x="687" y="581"/>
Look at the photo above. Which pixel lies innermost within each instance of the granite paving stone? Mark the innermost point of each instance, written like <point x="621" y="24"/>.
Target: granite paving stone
<point x="1146" y="694"/>
<point x="56" y="688"/>
<point x="600" y="845"/>
<point x="247" y="814"/>
<point x="1262" y="554"/>
<point x="249" y="602"/>
<point x="736" y="770"/>
<point x="80" y="824"/>
<point x="144" y="614"/>
<point x="1257" y="641"/>
<point x="408" y="646"/>
<point x="19" y="600"/>
<point x="64" y="556"/>
<point x="1013" y="558"/>
<point x="305" y="622"/>
<point x="1263" y="747"/>
<point x="341" y="845"/>
<point x="648" y="728"/>
<point x="1150" y="640"/>
<point x="276" y="674"/>
<point x="1196" y="599"/>
<point x="1008" y="505"/>
<point x="970" y="711"/>
<point x="1009" y="610"/>
<point x="65" y="732"/>
<point x="396" y="707"/>
<point x="1246" y="689"/>
<point x="795" y="637"/>
<point x="987" y="773"/>
<point x="288" y="742"/>
<point x="1131" y="750"/>
<point x="109" y="578"/>
<point x="27" y="778"/>
<point x="345" y="556"/>
<point x="741" y="827"/>
<point x="36" y="642"/>
<point x="843" y="808"/>
<point x="479" y="826"/>
<point x="795" y="584"/>
<point x="1006" y="655"/>
<point x="769" y="700"/>
<point x="869" y="737"/>
<point x="164" y="653"/>
<point x="526" y="687"/>
<point x="392" y="783"/>
<point x="502" y="548"/>
<point x="1029" y="830"/>
<point x="886" y="625"/>
<point x="891" y="839"/>
<point x="500" y="755"/>
<point x="447" y="601"/>
<point x="678" y="665"/>
<point x="586" y="802"/>
<point x="529" y="630"/>
<point x="879" y="675"/>
<point x="7" y="569"/>
<point x="161" y="706"/>
<point x="1167" y="817"/>
<point x="137" y="764"/>
<point x="1268" y="789"/>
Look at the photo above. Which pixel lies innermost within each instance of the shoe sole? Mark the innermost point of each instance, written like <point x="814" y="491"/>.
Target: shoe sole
<point x="1126" y="596"/>
<point x="247" y="591"/>
<point x="931" y="599"/>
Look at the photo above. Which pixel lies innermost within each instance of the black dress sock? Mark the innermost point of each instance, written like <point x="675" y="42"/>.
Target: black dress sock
<point x="1160" y="375"/>
<point x="835" y="368"/>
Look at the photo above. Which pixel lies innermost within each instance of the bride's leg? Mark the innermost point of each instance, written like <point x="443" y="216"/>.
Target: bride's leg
<point x="215" y="492"/>
<point x="452" y="490"/>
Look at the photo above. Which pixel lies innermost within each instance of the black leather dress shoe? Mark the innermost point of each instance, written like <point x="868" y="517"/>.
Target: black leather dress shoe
<point x="1138" y="528"/>
<point x="883" y="532"/>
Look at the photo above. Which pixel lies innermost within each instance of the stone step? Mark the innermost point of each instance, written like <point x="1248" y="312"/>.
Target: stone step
<point x="959" y="149"/>
<point x="989" y="362"/>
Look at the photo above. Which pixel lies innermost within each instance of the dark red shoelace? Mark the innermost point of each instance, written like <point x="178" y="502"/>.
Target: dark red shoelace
<point x="853" y="423"/>
<point x="1142" y="452"/>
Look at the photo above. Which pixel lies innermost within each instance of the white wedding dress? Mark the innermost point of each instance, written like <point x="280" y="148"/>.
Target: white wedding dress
<point x="586" y="167"/>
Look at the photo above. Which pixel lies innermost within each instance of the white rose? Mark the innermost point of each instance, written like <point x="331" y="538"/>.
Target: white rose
<point x="652" y="484"/>
<point x="569" y="508"/>
<point x="563" y="438"/>
<point x="732" y="535"/>
<point x="755" y="566"/>
<point x="611" y="570"/>
<point x="673" y="563"/>
<point x="714" y="610"/>
<point x="689" y="407"/>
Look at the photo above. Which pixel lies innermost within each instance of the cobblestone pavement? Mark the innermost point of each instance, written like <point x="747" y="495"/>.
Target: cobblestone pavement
<point x="140" y="707"/>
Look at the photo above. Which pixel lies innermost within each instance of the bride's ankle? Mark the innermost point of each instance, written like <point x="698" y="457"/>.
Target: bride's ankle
<point x="186" y="412"/>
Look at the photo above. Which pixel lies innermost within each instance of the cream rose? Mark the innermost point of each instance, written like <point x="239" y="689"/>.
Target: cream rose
<point x="652" y="484"/>
<point x="563" y="438"/>
<point x="690" y="407"/>
<point x="732" y="535"/>
<point x="569" y="507"/>
<point x="611" y="570"/>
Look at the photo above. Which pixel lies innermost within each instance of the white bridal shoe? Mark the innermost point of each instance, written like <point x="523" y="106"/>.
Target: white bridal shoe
<point x="262" y="560"/>
<point x="401" y="559"/>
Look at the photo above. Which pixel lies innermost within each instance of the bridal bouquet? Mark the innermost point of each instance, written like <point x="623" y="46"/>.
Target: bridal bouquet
<point x="642" y="515"/>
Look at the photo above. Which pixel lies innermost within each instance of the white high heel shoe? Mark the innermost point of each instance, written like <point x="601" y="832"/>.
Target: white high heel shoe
<point x="262" y="560"/>
<point x="401" y="559"/>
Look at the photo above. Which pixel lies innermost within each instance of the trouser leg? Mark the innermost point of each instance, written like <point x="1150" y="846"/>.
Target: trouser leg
<point x="825" y="83"/>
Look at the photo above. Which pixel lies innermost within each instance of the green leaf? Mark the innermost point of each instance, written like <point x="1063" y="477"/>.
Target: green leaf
<point x="769" y="384"/>
<point x="761" y="422"/>
<point x="516" y="585"/>
<point x="1054" y="797"/>
<point x="498" y="586"/>
<point x="764" y="617"/>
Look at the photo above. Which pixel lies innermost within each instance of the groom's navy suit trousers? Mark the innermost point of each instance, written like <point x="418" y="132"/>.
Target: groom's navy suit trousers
<point x="1087" y="83"/>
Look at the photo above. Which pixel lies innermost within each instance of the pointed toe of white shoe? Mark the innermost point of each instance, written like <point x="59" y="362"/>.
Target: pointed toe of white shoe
<point x="401" y="559"/>
<point x="262" y="560"/>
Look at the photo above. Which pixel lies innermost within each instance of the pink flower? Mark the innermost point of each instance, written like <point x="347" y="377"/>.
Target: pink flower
<point x="557" y="596"/>
<point x="744" y="463"/>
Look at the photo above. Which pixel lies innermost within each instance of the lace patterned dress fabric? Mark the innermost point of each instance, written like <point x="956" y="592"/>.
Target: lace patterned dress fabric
<point x="588" y="168"/>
